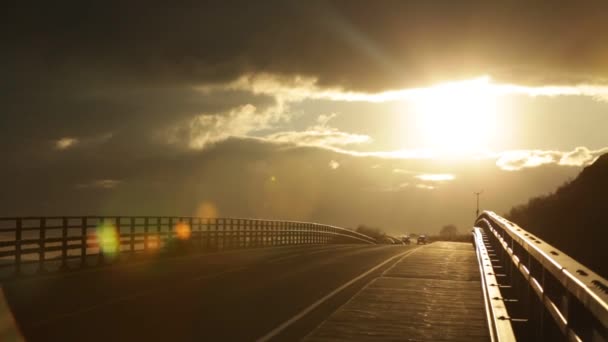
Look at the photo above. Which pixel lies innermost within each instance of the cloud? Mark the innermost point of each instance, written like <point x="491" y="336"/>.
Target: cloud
<point x="521" y="159"/>
<point x="65" y="143"/>
<point x="425" y="186"/>
<point x="339" y="44"/>
<point x="436" y="177"/>
<point x="100" y="184"/>
<point x="405" y="172"/>
<point x="321" y="138"/>
<point x="202" y="130"/>
<point x="319" y="135"/>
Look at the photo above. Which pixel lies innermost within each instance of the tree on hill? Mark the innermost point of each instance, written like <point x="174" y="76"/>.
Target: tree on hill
<point x="573" y="218"/>
<point x="448" y="232"/>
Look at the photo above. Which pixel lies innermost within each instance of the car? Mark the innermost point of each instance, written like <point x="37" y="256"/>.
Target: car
<point x="422" y="240"/>
<point x="406" y="239"/>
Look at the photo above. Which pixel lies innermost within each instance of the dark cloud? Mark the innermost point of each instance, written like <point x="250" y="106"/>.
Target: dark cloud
<point x="353" y="44"/>
<point x="129" y="119"/>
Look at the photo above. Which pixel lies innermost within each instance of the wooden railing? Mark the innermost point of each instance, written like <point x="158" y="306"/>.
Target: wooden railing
<point x="43" y="244"/>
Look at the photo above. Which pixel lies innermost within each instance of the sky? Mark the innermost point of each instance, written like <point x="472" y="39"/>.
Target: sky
<point x="390" y="114"/>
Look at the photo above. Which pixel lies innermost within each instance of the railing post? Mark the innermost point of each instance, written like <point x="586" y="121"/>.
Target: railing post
<point x="208" y="234"/>
<point x="200" y="233"/>
<point x="190" y="222"/>
<point x="41" y="245"/>
<point x="229" y="228"/>
<point x="170" y="231"/>
<point x="118" y="236"/>
<point x="146" y="234"/>
<point x="246" y="223"/>
<point x="159" y="230"/>
<point x="132" y="237"/>
<point x="64" y="243"/>
<point x="83" y="242"/>
<point x="100" y="257"/>
<point x="216" y="235"/>
<point x="254" y="233"/>
<point x="18" y="226"/>
<point x="243" y="233"/>
<point x="223" y="233"/>
<point x="264" y="235"/>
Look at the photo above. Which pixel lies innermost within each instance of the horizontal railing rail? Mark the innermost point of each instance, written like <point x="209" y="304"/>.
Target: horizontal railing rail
<point x="548" y="295"/>
<point x="68" y="242"/>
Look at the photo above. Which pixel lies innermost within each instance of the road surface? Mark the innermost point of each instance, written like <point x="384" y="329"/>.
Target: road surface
<point x="279" y="293"/>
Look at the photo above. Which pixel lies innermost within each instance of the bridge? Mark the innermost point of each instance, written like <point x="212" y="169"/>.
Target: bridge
<point x="191" y="279"/>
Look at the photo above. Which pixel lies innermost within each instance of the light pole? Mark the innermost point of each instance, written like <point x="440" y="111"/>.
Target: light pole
<point x="477" y="194"/>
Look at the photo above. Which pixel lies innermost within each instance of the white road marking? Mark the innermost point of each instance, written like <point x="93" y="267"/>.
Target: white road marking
<point x="274" y="332"/>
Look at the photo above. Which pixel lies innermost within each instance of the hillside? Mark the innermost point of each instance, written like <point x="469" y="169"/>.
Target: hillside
<point x="574" y="218"/>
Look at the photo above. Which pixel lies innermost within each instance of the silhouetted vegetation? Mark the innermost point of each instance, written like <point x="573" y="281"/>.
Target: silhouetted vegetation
<point x="448" y="231"/>
<point x="573" y="219"/>
<point x="376" y="233"/>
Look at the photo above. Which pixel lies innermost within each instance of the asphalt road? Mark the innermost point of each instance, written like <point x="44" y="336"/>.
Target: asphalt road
<point x="239" y="295"/>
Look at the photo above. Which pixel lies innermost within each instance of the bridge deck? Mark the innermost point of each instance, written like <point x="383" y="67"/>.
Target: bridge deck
<point x="433" y="294"/>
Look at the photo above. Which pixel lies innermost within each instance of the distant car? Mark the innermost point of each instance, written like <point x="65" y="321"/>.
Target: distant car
<point x="406" y="239"/>
<point x="422" y="240"/>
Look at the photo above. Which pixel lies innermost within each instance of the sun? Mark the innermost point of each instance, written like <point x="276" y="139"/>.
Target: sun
<point x="457" y="118"/>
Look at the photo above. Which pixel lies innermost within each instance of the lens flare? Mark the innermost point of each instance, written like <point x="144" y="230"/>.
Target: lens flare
<point x="183" y="231"/>
<point x="108" y="238"/>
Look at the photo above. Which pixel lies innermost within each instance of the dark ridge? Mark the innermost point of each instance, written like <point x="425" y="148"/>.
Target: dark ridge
<point x="574" y="218"/>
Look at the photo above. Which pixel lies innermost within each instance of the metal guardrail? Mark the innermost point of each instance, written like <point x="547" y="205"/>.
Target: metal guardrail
<point x="499" y="327"/>
<point x="548" y="296"/>
<point x="63" y="243"/>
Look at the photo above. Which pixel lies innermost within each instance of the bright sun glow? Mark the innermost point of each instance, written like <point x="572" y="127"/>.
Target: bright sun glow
<point x="457" y="118"/>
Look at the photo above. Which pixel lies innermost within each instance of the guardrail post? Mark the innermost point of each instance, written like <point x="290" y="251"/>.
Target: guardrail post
<point x="118" y="234"/>
<point x="199" y="224"/>
<point x="83" y="242"/>
<point x="146" y="233"/>
<point x="254" y="233"/>
<point x="216" y="235"/>
<point x="230" y="232"/>
<point x="312" y="232"/>
<point x="207" y="234"/>
<point x="238" y="233"/>
<point x="41" y="245"/>
<point x="100" y="257"/>
<point x="18" y="226"/>
<point x="223" y="233"/>
<point x="159" y="229"/>
<point x="264" y="233"/>
<point x="170" y="231"/>
<point x="132" y="237"/>
<point x="64" y="243"/>
<point x="191" y="227"/>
